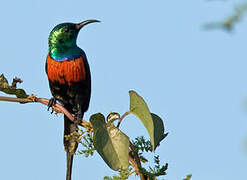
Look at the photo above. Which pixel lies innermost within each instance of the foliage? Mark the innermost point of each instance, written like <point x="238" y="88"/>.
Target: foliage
<point x="11" y="89"/>
<point x="157" y="170"/>
<point x="116" y="149"/>
<point x="140" y="109"/>
<point x="229" y="23"/>
<point x="114" y="146"/>
<point x="142" y="145"/>
<point x="110" y="142"/>
<point x="87" y="144"/>
<point x="151" y="121"/>
<point x="188" y="177"/>
<point x="123" y="175"/>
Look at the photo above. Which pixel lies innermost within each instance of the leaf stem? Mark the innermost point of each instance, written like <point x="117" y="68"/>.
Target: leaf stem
<point x="123" y="116"/>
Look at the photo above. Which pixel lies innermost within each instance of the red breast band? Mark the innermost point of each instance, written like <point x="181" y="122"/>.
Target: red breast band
<point x="67" y="71"/>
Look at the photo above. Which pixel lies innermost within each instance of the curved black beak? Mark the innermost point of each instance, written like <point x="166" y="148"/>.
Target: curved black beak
<point x="83" y="23"/>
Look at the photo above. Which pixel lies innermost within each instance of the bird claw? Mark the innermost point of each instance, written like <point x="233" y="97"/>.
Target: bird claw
<point x="52" y="102"/>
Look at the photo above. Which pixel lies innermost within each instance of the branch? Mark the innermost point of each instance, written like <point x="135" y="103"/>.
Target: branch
<point x="22" y="97"/>
<point x="58" y="108"/>
<point x="136" y="161"/>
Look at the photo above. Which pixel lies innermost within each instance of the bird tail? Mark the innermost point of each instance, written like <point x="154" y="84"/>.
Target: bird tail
<point x="70" y="157"/>
<point x="70" y="144"/>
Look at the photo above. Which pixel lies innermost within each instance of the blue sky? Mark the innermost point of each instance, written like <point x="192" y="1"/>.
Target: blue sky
<point x="194" y="79"/>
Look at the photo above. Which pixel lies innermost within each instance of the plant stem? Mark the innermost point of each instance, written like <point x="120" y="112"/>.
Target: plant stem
<point x="58" y="108"/>
<point x="137" y="161"/>
<point x="123" y="116"/>
<point x="12" y="99"/>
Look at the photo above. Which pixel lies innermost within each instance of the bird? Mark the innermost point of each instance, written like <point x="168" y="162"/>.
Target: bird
<point x="69" y="79"/>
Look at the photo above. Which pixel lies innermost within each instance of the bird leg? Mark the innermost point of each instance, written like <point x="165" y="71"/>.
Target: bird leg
<point x="78" y="118"/>
<point x="52" y="102"/>
<point x="78" y="112"/>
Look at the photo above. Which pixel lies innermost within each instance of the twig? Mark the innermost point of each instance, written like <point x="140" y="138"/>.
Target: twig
<point x="12" y="99"/>
<point x="134" y="164"/>
<point x="123" y="116"/>
<point x="58" y="108"/>
<point x="136" y="160"/>
<point x="15" y="81"/>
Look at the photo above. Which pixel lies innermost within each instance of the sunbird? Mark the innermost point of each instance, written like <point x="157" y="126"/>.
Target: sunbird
<point x="69" y="78"/>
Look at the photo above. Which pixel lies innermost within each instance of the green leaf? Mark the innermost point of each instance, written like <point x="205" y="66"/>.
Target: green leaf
<point x="152" y="122"/>
<point x="111" y="143"/>
<point x="4" y="87"/>
<point x="158" y="129"/>
<point x="20" y="93"/>
<point x="139" y="108"/>
<point x="3" y="82"/>
<point x="188" y="177"/>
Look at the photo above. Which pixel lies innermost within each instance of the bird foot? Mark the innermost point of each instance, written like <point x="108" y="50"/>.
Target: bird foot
<point x="52" y="102"/>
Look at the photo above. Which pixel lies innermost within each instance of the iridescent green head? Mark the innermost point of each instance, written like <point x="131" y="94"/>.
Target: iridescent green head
<point x="62" y="40"/>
